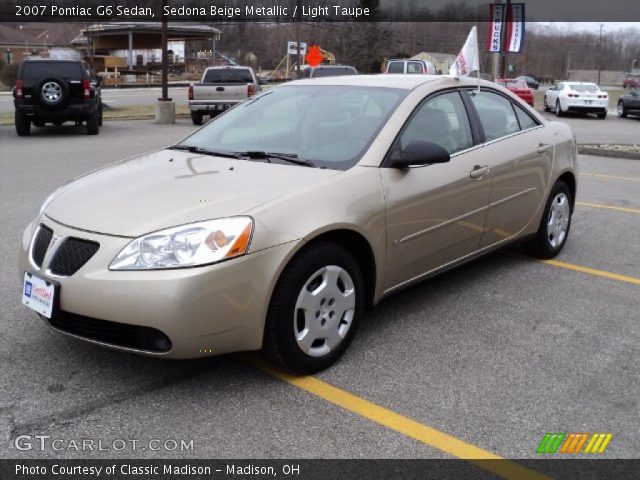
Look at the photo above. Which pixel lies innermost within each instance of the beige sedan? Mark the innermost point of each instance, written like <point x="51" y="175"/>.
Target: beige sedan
<point x="276" y="224"/>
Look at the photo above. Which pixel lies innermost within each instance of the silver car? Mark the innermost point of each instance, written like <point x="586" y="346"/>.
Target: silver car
<point x="276" y="224"/>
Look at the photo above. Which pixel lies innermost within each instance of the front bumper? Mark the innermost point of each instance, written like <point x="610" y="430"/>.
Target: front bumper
<point x="203" y="311"/>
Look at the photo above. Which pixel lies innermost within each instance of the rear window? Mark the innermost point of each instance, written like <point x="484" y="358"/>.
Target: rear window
<point x="415" y="67"/>
<point x="36" y="71"/>
<point x="396" y="67"/>
<point x="583" y="88"/>
<point x="509" y="83"/>
<point x="228" y="75"/>
<point x="333" y="72"/>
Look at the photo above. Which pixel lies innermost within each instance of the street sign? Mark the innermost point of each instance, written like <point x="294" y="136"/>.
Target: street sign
<point x="314" y="57"/>
<point x="292" y="48"/>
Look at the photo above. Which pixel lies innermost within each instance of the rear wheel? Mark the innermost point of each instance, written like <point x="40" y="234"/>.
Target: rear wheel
<point x="23" y="125"/>
<point x="602" y="115"/>
<point x="196" y="118"/>
<point x="315" y="309"/>
<point x="559" y="112"/>
<point x="100" y="115"/>
<point x="622" y="112"/>
<point x="555" y="224"/>
<point x="93" y="124"/>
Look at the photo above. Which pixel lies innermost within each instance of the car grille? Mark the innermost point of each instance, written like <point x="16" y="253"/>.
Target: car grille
<point x="72" y="254"/>
<point x="113" y="333"/>
<point x="40" y="244"/>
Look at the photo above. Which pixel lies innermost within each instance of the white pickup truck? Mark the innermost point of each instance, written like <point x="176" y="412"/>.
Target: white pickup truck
<point x="220" y="89"/>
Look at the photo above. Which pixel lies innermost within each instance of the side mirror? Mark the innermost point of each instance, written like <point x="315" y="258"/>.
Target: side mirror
<point x="419" y="153"/>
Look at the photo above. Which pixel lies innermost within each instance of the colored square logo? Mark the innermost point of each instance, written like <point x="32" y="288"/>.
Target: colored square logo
<point x="27" y="289"/>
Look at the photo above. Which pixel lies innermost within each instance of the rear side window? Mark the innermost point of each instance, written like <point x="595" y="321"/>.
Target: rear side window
<point x="415" y="67"/>
<point x="396" y="67"/>
<point x="35" y="71"/>
<point x="525" y="120"/>
<point x="228" y="75"/>
<point x="496" y="114"/>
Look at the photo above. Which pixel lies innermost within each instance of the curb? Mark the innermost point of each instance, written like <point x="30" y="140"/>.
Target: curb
<point x="611" y="152"/>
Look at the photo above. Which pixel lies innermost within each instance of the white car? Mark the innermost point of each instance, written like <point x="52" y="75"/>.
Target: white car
<point x="579" y="97"/>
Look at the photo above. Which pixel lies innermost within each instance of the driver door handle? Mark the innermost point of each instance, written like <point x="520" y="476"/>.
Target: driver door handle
<point x="479" y="171"/>
<point x="543" y="147"/>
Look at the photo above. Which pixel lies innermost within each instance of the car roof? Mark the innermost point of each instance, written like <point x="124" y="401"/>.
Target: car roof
<point x="401" y="81"/>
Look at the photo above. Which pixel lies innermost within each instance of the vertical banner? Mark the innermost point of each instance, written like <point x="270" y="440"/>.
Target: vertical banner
<point x="494" y="34"/>
<point x="514" y="40"/>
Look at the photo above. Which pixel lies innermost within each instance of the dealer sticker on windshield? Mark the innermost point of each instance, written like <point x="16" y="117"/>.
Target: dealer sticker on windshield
<point x="38" y="294"/>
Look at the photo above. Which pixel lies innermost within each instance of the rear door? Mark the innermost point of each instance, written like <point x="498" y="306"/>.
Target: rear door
<point x="518" y="152"/>
<point x="435" y="213"/>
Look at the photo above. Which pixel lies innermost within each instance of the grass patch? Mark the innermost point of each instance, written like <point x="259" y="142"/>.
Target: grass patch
<point x="129" y="112"/>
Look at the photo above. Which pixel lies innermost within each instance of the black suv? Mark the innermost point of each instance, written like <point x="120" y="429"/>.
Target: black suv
<point x="56" y="91"/>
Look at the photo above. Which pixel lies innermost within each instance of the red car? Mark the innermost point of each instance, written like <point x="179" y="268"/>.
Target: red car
<point x="519" y="87"/>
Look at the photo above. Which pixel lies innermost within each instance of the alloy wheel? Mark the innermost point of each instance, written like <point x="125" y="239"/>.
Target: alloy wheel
<point x="558" y="221"/>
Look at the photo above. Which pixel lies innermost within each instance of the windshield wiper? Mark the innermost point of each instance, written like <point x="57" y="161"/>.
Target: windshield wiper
<point x="287" y="157"/>
<point x="204" y="151"/>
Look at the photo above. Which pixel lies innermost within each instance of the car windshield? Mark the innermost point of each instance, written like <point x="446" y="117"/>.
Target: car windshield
<point x="329" y="126"/>
<point x="583" y="87"/>
<point x="228" y="75"/>
<point x="332" y="72"/>
<point x="512" y="83"/>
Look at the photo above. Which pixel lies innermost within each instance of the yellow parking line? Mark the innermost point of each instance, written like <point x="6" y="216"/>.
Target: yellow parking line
<point x="609" y="207"/>
<point x="612" y="177"/>
<point x="581" y="269"/>
<point x="406" y="426"/>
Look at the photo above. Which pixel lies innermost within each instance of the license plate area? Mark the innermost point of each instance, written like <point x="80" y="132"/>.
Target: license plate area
<point x="40" y="295"/>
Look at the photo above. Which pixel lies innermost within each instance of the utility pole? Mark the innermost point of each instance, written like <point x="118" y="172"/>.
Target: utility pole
<point x="504" y="39"/>
<point x="600" y="53"/>
<point x="165" y="108"/>
<point x="297" y="20"/>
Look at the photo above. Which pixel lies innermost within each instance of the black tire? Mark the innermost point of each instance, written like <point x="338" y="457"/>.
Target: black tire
<point x="559" y="112"/>
<point x="52" y="84"/>
<point x="100" y="115"/>
<point x="602" y="115"/>
<point x="540" y="246"/>
<point x="546" y="107"/>
<point x="23" y="125"/>
<point x="280" y="342"/>
<point x="196" y="118"/>
<point x="93" y="124"/>
<point x="622" y="112"/>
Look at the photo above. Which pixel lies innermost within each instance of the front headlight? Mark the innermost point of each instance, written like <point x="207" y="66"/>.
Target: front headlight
<point x="189" y="245"/>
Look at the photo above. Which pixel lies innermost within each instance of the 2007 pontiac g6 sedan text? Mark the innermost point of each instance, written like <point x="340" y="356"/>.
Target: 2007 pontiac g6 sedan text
<point x="275" y="225"/>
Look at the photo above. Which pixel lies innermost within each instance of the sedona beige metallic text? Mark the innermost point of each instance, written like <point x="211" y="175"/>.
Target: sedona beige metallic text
<point x="276" y="224"/>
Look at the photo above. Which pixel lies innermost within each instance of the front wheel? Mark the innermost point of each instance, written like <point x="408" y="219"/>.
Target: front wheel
<point x="546" y="107"/>
<point x="555" y="224"/>
<point x="315" y="309"/>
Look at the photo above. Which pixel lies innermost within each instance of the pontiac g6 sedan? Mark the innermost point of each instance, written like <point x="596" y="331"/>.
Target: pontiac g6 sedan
<point x="274" y="226"/>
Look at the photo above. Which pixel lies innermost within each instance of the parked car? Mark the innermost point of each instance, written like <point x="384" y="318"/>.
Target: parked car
<point x="530" y="81"/>
<point x="420" y="67"/>
<point x="518" y="87"/>
<point x="631" y="82"/>
<point x="629" y="104"/>
<point x="578" y="97"/>
<point x="56" y="91"/>
<point x="275" y="225"/>
<point x="220" y="89"/>
<point x="329" y="71"/>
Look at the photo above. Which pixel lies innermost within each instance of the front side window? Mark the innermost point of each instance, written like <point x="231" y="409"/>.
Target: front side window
<point x="396" y="67"/>
<point x="329" y="125"/>
<point x="441" y="120"/>
<point x="496" y="114"/>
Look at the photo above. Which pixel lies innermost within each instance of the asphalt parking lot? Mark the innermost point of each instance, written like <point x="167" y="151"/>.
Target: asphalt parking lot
<point x="493" y="354"/>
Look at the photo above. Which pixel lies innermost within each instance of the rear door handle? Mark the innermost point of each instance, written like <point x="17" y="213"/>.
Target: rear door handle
<point x="479" y="171"/>
<point x="543" y="147"/>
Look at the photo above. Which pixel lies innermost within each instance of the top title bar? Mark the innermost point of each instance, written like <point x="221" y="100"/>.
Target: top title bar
<point x="309" y="10"/>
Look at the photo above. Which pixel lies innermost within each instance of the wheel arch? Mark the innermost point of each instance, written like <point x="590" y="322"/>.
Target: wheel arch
<point x="570" y="179"/>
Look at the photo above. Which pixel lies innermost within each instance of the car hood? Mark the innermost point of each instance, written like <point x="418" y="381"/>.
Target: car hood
<point x="170" y="187"/>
